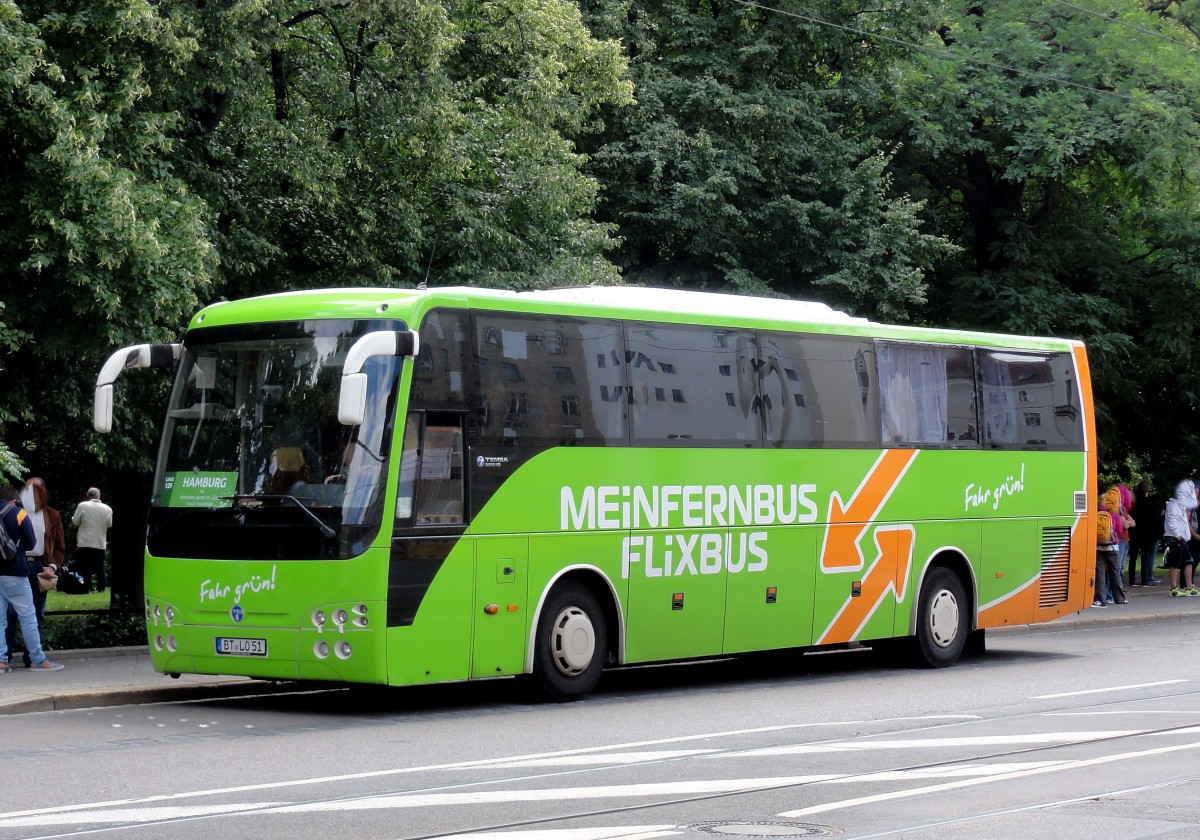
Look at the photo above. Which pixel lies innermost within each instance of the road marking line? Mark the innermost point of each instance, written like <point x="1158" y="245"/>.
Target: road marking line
<point x="600" y="760"/>
<point x="1105" y="690"/>
<point x="493" y="797"/>
<point x="964" y="783"/>
<point x="867" y="745"/>
<point x="136" y="815"/>
<point x="461" y="765"/>
<point x="629" y="832"/>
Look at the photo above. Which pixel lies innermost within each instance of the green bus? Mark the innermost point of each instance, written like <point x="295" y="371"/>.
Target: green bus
<point x="407" y="487"/>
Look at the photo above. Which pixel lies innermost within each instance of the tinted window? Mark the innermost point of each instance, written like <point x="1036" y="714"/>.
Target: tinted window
<point x="546" y="381"/>
<point x="440" y="371"/>
<point x="1030" y="400"/>
<point x="927" y="394"/>
<point x="691" y="386"/>
<point x="817" y="391"/>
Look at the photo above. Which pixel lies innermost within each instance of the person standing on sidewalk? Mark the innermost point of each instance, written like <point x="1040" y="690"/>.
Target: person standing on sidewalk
<point x="14" y="583"/>
<point x="1147" y="535"/>
<point x="94" y="518"/>
<point x="44" y="558"/>
<point x="1177" y="532"/>
<point x="1108" y="579"/>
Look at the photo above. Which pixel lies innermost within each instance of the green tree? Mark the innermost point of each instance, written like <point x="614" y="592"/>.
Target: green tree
<point x="161" y="155"/>
<point x="397" y="141"/>
<point x="746" y="164"/>
<point x="1058" y="146"/>
<point x="101" y="242"/>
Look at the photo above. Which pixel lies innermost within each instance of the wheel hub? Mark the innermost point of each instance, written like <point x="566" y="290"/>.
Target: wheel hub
<point x="573" y="643"/>
<point x="943" y="618"/>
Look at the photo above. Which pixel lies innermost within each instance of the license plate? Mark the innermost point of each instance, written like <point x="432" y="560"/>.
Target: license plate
<point x="241" y="647"/>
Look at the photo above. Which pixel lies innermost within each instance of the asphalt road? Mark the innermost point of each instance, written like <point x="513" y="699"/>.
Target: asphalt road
<point x="1088" y="733"/>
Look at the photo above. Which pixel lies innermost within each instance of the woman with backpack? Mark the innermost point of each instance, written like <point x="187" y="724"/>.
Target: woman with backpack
<point x="1108" y="579"/>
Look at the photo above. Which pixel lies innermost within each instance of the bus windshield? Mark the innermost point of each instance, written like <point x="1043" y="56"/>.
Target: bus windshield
<point x="252" y="441"/>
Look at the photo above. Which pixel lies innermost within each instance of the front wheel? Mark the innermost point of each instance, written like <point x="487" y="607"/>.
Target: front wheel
<point x="942" y="620"/>
<point x="571" y="643"/>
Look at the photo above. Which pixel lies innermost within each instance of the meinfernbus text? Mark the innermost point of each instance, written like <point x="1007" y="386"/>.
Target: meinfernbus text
<point x="404" y="487"/>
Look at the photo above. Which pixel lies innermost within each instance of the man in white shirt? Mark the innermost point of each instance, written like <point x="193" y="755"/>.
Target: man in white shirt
<point x="1177" y="532"/>
<point x="94" y="518"/>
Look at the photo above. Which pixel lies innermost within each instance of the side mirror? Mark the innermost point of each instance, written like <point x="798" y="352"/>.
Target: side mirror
<point x="137" y="356"/>
<point x="352" y="399"/>
<point x="102" y="410"/>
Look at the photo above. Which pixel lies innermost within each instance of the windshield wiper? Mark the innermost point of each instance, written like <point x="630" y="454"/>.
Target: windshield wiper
<point x="249" y="500"/>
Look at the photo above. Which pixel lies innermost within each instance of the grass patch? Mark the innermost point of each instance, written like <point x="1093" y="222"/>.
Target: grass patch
<point x="57" y="601"/>
<point x="96" y="625"/>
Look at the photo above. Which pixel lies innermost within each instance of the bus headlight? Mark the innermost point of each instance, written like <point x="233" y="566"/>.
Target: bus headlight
<point x="172" y="644"/>
<point x="158" y="641"/>
<point x="318" y="618"/>
<point x="340" y="617"/>
<point x="342" y="649"/>
<point x="321" y="649"/>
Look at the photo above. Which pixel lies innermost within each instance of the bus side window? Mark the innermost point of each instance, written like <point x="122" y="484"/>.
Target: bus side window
<point x="928" y="394"/>
<point x="440" y="487"/>
<point x="410" y="458"/>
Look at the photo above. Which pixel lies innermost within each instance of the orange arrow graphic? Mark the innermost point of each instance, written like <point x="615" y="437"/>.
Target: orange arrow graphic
<point x="889" y="572"/>
<point x="848" y="523"/>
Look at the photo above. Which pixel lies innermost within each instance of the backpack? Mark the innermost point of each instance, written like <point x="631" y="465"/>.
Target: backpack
<point x="1104" y="528"/>
<point x="70" y="582"/>
<point x="8" y="546"/>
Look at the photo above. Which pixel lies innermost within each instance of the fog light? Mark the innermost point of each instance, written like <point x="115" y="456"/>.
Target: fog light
<point x="158" y="641"/>
<point x="342" y="649"/>
<point x="361" y="609"/>
<point x="172" y="645"/>
<point x="170" y="613"/>
<point x="318" y="618"/>
<point x="157" y="612"/>
<point x="321" y="649"/>
<point x="340" y="617"/>
<point x="361" y="621"/>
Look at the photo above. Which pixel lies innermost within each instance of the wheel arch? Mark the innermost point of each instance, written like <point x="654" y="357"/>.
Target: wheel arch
<point x="950" y="558"/>
<point x="605" y="593"/>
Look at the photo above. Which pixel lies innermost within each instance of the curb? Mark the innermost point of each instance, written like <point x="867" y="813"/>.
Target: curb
<point x="60" y="702"/>
<point x="1064" y="625"/>
<point x="100" y="653"/>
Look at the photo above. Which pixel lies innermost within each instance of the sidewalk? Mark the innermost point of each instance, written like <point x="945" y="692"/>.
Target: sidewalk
<point x="113" y="677"/>
<point x="117" y="676"/>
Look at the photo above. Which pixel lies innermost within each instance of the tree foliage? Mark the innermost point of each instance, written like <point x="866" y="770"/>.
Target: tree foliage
<point x="1058" y="147"/>
<point x="747" y="165"/>
<point x="161" y="155"/>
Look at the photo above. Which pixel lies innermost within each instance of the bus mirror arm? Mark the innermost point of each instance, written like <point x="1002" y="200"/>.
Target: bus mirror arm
<point x="137" y="356"/>
<point x="352" y="399"/>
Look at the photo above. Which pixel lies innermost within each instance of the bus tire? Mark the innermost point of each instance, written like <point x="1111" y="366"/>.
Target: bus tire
<point x="571" y="643"/>
<point x="942" y="626"/>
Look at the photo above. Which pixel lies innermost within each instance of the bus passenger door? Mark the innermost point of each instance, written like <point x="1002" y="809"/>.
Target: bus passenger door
<point x="500" y="607"/>
<point x="431" y="569"/>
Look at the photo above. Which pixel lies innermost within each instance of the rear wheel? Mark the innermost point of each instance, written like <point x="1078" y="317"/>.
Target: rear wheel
<point x="942" y="625"/>
<point x="571" y="643"/>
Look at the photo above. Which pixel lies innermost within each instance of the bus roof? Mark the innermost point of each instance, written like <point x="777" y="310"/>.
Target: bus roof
<point x="666" y="305"/>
